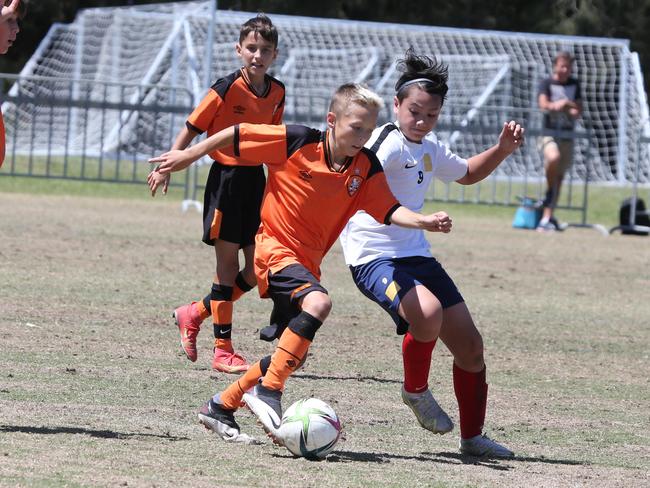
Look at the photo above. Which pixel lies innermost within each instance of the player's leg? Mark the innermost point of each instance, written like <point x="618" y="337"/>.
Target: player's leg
<point x="200" y="310"/>
<point x="303" y="302"/>
<point x="218" y="413"/>
<point x="189" y="317"/>
<point x="225" y="358"/>
<point x="465" y="343"/>
<point x="422" y="310"/>
<point x="417" y="313"/>
<point x="245" y="280"/>
<point x="552" y="169"/>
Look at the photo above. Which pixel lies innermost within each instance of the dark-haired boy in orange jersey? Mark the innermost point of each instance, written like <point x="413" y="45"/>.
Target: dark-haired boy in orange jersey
<point x="316" y="182"/>
<point x="233" y="192"/>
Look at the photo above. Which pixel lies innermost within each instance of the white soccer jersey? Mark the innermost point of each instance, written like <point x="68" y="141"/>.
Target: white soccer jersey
<point x="409" y="168"/>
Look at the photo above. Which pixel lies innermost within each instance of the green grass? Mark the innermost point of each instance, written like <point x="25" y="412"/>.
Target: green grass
<point x="602" y="208"/>
<point x="93" y="391"/>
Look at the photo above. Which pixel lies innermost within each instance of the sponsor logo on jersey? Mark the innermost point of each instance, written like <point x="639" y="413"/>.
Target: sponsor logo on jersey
<point x="354" y="183"/>
<point x="305" y="175"/>
<point x="410" y="164"/>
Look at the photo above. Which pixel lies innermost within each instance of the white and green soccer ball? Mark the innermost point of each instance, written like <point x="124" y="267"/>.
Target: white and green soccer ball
<point x="310" y="428"/>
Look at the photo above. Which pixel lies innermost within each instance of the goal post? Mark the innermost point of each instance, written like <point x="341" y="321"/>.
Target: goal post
<point x="159" y="45"/>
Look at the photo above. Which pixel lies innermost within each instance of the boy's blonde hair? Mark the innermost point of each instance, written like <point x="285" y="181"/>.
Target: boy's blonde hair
<point x="350" y="93"/>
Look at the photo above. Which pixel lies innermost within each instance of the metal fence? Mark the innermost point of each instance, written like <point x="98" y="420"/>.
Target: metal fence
<point x="88" y="130"/>
<point x="638" y="217"/>
<point x="98" y="131"/>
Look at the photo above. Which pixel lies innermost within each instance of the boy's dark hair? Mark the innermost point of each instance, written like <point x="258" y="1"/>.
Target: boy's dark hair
<point x="424" y="71"/>
<point x="566" y="55"/>
<point x="261" y="25"/>
<point x="22" y="7"/>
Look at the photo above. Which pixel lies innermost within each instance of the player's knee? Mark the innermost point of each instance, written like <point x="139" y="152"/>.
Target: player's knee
<point x="474" y="352"/>
<point x="317" y="304"/>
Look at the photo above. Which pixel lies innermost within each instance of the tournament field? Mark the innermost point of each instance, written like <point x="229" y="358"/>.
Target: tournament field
<point x="93" y="391"/>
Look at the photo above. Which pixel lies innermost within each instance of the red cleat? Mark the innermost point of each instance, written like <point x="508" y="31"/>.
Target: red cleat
<point x="188" y="322"/>
<point x="228" y="361"/>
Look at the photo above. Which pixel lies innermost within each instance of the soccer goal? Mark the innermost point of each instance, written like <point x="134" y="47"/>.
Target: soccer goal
<point x="140" y="67"/>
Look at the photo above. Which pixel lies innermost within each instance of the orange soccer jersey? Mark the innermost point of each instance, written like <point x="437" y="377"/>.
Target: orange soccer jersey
<point x="231" y="101"/>
<point x="307" y="203"/>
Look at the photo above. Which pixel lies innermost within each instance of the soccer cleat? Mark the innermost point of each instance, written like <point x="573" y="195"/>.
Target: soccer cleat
<point x="427" y="411"/>
<point x="560" y="226"/>
<point x="220" y="420"/>
<point x="266" y="405"/>
<point x="188" y="322"/>
<point x="546" y="227"/>
<point x="483" y="446"/>
<point x="228" y="361"/>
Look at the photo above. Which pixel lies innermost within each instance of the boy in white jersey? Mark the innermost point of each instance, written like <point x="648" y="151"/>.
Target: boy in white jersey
<point x="394" y="267"/>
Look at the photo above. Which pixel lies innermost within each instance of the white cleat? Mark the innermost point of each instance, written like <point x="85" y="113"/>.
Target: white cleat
<point x="428" y="412"/>
<point x="265" y="405"/>
<point x="483" y="446"/>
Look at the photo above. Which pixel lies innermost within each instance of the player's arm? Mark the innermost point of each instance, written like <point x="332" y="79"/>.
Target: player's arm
<point x="435" y="222"/>
<point x="177" y="160"/>
<point x="155" y="179"/>
<point x="481" y="165"/>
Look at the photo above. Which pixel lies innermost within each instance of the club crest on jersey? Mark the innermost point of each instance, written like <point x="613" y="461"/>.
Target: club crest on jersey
<point x="305" y="174"/>
<point x="354" y="183"/>
<point x="239" y="109"/>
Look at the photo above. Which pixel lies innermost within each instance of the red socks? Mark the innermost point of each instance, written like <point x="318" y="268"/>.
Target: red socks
<point x="471" y="393"/>
<point x="417" y="363"/>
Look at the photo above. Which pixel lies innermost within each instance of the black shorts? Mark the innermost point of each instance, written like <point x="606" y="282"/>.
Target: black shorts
<point x="231" y="203"/>
<point x="286" y="288"/>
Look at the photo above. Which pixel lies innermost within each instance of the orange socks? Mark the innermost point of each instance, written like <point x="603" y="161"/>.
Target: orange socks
<point x="289" y="353"/>
<point x="204" y="313"/>
<point x="231" y="396"/>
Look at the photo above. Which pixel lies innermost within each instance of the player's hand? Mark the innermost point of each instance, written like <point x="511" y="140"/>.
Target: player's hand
<point x="437" y="222"/>
<point x="173" y="160"/>
<point x="155" y="179"/>
<point x="511" y="137"/>
<point x="9" y="10"/>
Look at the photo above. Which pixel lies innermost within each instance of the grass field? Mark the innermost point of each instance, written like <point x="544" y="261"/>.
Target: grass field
<point x="93" y="391"/>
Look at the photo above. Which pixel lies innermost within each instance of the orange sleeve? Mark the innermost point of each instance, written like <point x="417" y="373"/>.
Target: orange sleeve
<point x="378" y="200"/>
<point x="261" y="142"/>
<point x="206" y="111"/>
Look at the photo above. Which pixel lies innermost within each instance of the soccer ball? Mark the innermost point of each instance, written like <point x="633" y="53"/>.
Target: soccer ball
<point x="310" y="428"/>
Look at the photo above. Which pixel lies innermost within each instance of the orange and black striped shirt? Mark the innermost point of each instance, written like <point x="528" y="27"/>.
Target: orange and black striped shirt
<point x="231" y="101"/>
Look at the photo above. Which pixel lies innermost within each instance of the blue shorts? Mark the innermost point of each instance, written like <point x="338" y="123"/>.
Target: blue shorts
<point x="386" y="281"/>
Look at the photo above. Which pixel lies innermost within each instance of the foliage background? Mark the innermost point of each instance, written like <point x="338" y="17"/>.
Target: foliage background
<point x="624" y="19"/>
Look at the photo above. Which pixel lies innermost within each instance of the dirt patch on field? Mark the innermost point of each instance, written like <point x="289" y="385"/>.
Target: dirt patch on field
<point x="93" y="391"/>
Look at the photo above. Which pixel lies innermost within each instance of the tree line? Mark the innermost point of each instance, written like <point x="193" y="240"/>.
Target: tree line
<point x="624" y="19"/>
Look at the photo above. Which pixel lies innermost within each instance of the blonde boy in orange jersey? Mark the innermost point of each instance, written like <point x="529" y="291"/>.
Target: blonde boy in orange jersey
<point x="309" y="171"/>
<point x="233" y="192"/>
<point x="10" y="12"/>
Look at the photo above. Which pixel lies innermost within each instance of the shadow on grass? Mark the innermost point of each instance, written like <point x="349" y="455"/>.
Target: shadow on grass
<point x="444" y="458"/>
<point x="102" y="434"/>
<point x="350" y="378"/>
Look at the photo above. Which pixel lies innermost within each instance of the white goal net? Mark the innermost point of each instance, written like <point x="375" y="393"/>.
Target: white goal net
<point x="155" y="56"/>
